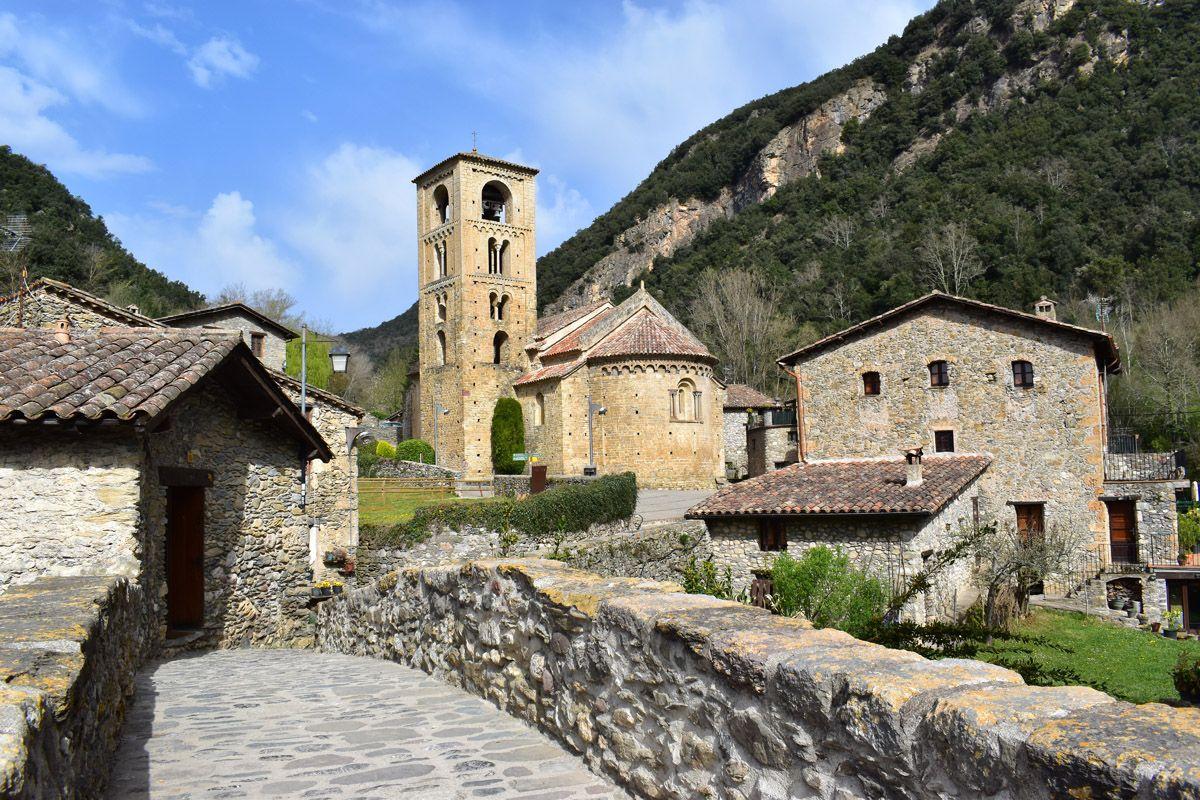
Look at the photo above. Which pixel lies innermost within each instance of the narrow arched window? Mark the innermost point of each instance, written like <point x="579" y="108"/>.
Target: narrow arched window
<point x="440" y="301"/>
<point x="501" y="306"/>
<point x="870" y="383"/>
<point x="685" y="401"/>
<point x="1022" y="374"/>
<point x="939" y="373"/>
<point x="500" y="347"/>
<point x="492" y="306"/>
<point x="539" y="409"/>
<point x="493" y="256"/>
<point x="502" y="258"/>
<point x="441" y="205"/>
<point x="494" y="202"/>
<point x="441" y="348"/>
<point x="439" y="253"/>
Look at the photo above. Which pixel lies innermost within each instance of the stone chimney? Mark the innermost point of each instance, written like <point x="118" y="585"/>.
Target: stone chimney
<point x="912" y="477"/>
<point x="134" y="309"/>
<point x="1044" y="308"/>
<point x="62" y="330"/>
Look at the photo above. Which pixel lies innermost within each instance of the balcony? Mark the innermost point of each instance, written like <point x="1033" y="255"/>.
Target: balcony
<point x="1121" y="467"/>
<point x="773" y="418"/>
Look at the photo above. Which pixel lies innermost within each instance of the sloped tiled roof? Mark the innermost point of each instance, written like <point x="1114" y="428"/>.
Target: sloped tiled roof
<point x="574" y="341"/>
<point x="283" y="379"/>
<point x="852" y="486"/>
<point x="120" y="316"/>
<point x="201" y="314"/>
<point x="547" y="326"/>
<point x="1106" y="347"/>
<point x="647" y="335"/>
<point x="741" y="395"/>
<point x="548" y="373"/>
<point x="114" y="373"/>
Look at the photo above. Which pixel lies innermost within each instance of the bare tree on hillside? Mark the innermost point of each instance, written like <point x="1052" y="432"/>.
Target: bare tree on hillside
<point x="276" y="303"/>
<point x="950" y="259"/>
<point x="837" y="230"/>
<point x="737" y="313"/>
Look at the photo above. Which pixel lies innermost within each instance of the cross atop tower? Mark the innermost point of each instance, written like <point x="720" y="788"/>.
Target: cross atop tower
<point x="474" y="141"/>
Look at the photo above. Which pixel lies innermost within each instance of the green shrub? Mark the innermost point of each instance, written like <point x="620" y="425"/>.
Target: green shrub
<point x="415" y="450"/>
<point x="828" y="591"/>
<point x="564" y="508"/>
<point x="1186" y="675"/>
<point x="508" y="437"/>
<point x="703" y="578"/>
<point x="385" y="449"/>
<point x="1189" y="530"/>
<point x="366" y="460"/>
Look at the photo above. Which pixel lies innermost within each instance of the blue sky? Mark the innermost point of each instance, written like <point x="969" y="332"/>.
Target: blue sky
<point x="273" y="143"/>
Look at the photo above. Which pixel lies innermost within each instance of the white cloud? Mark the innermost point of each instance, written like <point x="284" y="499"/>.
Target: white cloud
<point x="308" y="115"/>
<point x="161" y="36"/>
<point x="356" y="224"/>
<point x="220" y="57"/>
<point x="208" y="250"/>
<point x="566" y="213"/>
<point x="26" y="128"/>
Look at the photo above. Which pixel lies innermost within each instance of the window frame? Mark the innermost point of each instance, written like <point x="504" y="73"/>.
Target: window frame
<point x="939" y="373"/>
<point x="940" y="434"/>
<point x="1039" y="528"/>
<point x="258" y="343"/>
<point x="872" y="383"/>
<point x="1024" y="369"/>
<point x="772" y="535"/>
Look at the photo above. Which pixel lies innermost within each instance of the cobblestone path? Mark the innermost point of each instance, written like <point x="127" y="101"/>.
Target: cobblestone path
<point x="294" y="723"/>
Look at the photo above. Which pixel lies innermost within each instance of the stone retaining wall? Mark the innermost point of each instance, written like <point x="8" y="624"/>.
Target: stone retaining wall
<point x="396" y="468"/>
<point x="69" y="648"/>
<point x="513" y="485"/>
<point x="686" y="696"/>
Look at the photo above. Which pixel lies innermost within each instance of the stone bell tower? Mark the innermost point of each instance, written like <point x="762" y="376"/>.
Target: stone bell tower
<point x="477" y="300"/>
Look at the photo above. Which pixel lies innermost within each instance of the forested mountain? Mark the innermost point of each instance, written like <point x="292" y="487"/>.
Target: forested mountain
<point x="1002" y="149"/>
<point x="71" y="244"/>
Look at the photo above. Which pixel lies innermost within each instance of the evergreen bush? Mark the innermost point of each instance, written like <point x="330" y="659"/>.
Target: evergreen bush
<point x="564" y="508"/>
<point x="824" y="587"/>
<point x="1186" y="675"/>
<point x="508" y="437"/>
<point x="385" y="449"/>
<point x="415" y="450"/>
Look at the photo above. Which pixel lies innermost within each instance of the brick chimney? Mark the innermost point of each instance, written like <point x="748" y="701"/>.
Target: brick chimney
<point x="1044" y="308"/>
<point x="912" y="477"/>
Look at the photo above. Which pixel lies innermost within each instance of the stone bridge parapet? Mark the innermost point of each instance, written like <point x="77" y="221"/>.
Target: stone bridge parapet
<point x="684" y="696"/>
<point x="69" y="649"/>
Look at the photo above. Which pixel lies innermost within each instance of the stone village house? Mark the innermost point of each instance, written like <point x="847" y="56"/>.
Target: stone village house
<point x="330" y="495"/>
<point x="743" y="404"/>
<point x="1022" y="395"/>
<point x="655" y="404"/>
<point x="169" y="456"/>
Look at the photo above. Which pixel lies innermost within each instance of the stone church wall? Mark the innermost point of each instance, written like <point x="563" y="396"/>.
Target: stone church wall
<point x="1046" y="442"/>
<point x="684" y="696"/>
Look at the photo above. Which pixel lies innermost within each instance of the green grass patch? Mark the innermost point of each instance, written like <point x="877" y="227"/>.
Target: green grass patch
<point x="1129" y="664"/>
<point x="390" y="508"/>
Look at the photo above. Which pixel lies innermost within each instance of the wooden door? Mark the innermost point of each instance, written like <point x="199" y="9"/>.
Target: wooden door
<point x="1122" y="531"/>
<point x="185" y="556"/>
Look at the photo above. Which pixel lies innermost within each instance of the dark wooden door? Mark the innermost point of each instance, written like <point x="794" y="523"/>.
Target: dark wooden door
<point x="185" y="556"/>
<point x="1122" y="531"/>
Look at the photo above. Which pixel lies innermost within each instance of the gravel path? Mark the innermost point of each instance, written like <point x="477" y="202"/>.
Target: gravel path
<point x="295" y="723"/>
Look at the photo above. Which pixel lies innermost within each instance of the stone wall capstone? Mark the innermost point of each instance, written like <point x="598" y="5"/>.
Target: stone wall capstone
<point x="396" y="468"/>
<point x="69" y="649"/>
<point x="685" y="696"/>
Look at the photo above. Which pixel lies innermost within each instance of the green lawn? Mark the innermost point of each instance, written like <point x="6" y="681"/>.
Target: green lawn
<point x="383" y="508"/>
<point x="1130" y="664"/>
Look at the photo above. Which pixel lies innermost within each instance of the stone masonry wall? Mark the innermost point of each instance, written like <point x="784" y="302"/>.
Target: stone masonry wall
<point x="1046" y="442"/>
<point x="274" y="346"/>
<point x="69" y="504"/>
<point x="685" y="696"/>
<point x="734" y="434"/>
<point x="889" y="548"/>
<point x="1157" y="517"/>
<point x="768" y="446"/>
<point x="69" y="649"/>
<point x="44" y="310"/>
<point x="256" y="530"/>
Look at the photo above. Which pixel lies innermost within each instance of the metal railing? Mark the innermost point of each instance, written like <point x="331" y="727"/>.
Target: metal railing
<point x="1143" y="466"/>
<point x="772" y="418"/>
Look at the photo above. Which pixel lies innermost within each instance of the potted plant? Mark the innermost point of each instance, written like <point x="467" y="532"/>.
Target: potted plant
<point x="323" y="589"/>
<point x="336" y="556"/>
<point x="1171" y="621"/>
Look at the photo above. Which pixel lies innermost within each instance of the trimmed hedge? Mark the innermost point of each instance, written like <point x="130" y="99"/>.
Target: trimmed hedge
<point x="415" y="450"/>
<point x="566" y="508"/>
<point x="385" y="449"/>
<point x="508" y="436"/>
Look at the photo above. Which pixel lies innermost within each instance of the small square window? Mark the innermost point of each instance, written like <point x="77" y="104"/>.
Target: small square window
<point x="256" y="344"/>
<point x="939" y="373"/>
<point x="870" y="383"/>
<point x="772" y="535"/>
<point x="1022" y="374"/>
<point x="943" y="441"/>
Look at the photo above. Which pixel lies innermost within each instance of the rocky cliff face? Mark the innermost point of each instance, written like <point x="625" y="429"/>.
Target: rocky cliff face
<point x="796" y="150"/>
<point x="792" y="154"/>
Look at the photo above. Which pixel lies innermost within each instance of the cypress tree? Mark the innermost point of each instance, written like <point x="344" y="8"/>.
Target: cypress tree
<point x="508" y="437"/>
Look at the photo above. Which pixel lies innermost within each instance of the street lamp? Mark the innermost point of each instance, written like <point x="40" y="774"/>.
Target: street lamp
<point x="340" y="359"/>
<point x="593" y="410"/>
<point x="439" y="411"/>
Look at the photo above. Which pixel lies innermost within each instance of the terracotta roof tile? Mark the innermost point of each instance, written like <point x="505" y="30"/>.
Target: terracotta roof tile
<point x="741" y="395"/>
<point x="547" y="373"/>
<point x="118" y="373"/>
<point x="573" y="341"/>
<point x="852" y="486"/>
<point x="546" y="326"/>
<point x="647" y="335"/>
